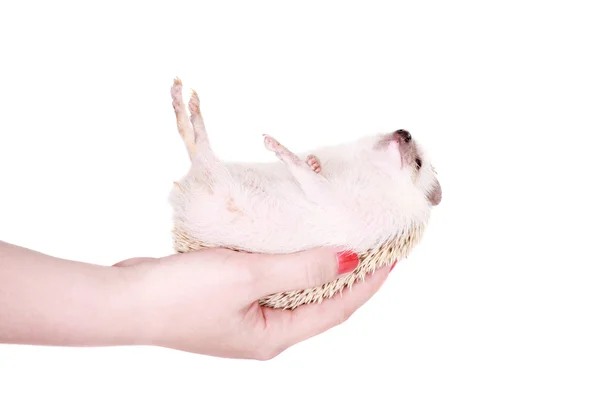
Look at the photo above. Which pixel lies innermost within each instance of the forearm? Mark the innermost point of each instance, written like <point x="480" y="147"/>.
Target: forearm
<point x="50" y="301"/>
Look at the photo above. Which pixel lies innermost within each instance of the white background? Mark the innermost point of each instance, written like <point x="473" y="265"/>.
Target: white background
<point x="500" y="300"/>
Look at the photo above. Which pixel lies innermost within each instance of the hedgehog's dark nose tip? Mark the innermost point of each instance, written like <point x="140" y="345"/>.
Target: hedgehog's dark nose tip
<point x="404" y="135"/>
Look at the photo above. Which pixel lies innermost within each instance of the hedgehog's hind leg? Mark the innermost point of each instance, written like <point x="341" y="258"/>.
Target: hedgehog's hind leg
<point x="191" y="128"/>
<point x="203" y="149"/>
<point x="206" y="168"/>
<point x="184" y="126"/>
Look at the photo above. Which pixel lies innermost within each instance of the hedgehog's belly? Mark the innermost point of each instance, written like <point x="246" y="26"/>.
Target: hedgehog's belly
<point x="264" y="212"/>
<point x="244" y="219"/>
<point x="273" y="225"/>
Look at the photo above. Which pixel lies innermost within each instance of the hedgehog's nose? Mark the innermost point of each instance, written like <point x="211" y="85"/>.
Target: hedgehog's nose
<point x="404" y="135"/>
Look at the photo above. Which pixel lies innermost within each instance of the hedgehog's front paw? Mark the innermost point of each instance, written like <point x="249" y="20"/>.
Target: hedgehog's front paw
<point x="314" y="163"/>
<point x="271" y="144"/>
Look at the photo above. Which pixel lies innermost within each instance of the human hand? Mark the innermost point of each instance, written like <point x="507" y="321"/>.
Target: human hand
<point x="207" y="301"/>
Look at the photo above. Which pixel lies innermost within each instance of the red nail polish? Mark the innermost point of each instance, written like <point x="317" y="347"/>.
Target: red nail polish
<point x="347" y="262"/>
<point x="393" y="265"/>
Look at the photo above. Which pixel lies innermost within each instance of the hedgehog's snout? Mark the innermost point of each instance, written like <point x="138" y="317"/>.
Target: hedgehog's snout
<point x="403" y="135"/>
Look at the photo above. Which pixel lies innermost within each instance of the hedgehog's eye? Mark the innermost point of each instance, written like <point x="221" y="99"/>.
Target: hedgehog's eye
<point x="419" y="163"/>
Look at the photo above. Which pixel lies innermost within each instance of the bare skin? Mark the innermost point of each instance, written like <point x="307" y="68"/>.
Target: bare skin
<point x="202" y="302"/>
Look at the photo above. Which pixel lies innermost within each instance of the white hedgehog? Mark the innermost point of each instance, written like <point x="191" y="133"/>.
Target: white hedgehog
<point x="372" y="196"/>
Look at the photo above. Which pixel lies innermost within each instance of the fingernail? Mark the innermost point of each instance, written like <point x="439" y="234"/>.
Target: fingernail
<point x="393" y="265"/>
<point x="347" y="262"/>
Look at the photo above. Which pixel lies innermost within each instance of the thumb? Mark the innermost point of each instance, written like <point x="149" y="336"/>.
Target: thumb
<point x="302" y="270"/>
<point x="288" y="327"/>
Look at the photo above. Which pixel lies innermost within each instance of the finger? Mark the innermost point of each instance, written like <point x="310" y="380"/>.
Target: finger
<point x="283" y="272"/>
<point x="133" y="261"/>
<point x="285" y="328"/>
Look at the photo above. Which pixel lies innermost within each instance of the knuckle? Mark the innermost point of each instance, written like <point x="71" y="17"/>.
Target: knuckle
<point x="247" y="276"/>
<point x="255" y="278"/>
<point x="315" y="273"/>
<point x="244" y="274"/>
<point x="313" y="278"/>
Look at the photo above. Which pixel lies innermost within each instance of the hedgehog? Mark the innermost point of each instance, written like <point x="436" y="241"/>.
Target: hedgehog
<point x="372" y="196"/>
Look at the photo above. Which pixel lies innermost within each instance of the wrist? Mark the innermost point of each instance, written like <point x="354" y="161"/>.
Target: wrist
<point x="106" y="313"/>
<point x="135" y="316"/>
<point x="143" y="312"/>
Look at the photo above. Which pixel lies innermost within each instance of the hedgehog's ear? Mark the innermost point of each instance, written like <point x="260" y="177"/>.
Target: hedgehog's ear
<point x="435" y="193"/>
